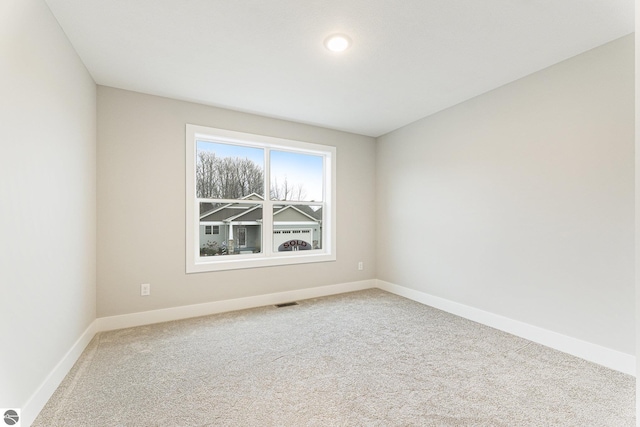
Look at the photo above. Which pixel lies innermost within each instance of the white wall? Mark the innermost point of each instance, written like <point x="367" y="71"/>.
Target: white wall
<point x="141" y="206"/>
<point x="520" y="202"/>
<point x="47" y="198"/>
<point x="637" y="204"/>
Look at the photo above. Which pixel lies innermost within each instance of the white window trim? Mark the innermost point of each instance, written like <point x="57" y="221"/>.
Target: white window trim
<point x="197" y="264"/>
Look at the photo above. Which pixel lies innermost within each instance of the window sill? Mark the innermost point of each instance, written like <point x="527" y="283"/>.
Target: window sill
<point x="222" y="263"/>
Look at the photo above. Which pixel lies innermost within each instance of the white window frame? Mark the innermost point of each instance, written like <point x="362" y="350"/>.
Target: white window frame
<point x="197" y="264"/>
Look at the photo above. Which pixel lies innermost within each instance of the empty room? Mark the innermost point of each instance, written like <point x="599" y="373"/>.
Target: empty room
<point x="317" y="213"/>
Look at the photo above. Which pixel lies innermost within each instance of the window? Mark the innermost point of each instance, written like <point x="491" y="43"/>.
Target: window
<point x="256" y="201"/>
<point x="211" y="229"/>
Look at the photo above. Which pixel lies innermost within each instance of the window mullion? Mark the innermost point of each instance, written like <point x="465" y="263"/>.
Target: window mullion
<point x="267" y="211"/>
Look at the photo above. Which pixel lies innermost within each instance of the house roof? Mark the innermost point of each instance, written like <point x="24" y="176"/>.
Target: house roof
<point x="251" y="212"/>
<point x="315" y="215"/>
<point x="209" y="208"/>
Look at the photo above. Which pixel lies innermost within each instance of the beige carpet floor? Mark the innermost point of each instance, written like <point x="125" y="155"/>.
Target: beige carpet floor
<point x="366" y="358"/>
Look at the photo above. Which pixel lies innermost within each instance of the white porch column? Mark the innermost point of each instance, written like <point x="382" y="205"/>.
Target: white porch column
<point x="231" y="247"/>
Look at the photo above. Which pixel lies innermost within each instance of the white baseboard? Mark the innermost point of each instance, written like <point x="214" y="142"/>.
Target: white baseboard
<point x="204" y="309"/>
<point x="41" y="396"/>
<point x="604" y="356"/>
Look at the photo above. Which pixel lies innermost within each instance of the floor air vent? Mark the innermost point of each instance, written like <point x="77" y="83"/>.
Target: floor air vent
<point x="286" y="304"/>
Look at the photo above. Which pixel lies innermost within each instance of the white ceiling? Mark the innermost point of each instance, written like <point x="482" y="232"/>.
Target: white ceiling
<point x="409" y="59"/>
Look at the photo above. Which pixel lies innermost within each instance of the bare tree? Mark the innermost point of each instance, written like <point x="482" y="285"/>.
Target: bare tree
<point x="206" y="175"/>
<point x="287" y="191"/>
<point x="235" y="177"/>
<point x="227" y="177"/>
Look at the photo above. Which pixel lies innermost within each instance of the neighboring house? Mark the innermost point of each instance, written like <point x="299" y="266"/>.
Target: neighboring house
<point x="236" y="227"/>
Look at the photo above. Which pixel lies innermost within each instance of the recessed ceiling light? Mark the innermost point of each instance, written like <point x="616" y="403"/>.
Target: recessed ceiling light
<point x="337" y="42"/>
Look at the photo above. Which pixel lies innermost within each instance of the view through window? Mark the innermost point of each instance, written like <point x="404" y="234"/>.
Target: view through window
<point x="270" y="201"/>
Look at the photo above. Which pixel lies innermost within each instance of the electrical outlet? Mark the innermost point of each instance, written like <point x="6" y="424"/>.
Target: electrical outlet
<point x="145" y="289"/>
<point x="361" y="266"/>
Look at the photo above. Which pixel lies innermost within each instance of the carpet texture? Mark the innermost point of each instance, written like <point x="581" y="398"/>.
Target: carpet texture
<point x="366" y="358"/>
